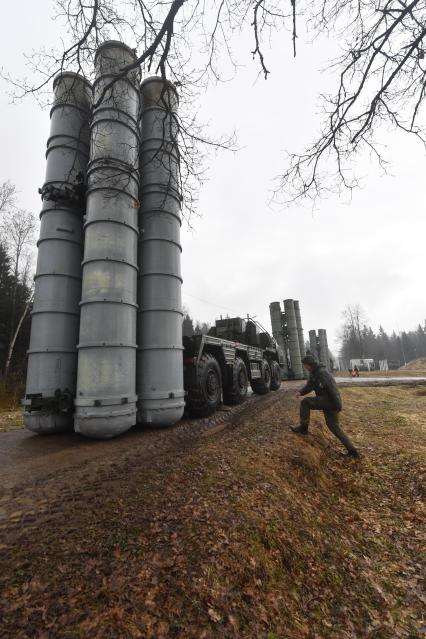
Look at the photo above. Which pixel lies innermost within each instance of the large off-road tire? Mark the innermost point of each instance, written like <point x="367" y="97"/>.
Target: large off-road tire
<point x="262" y="384"/>
<point x="275" y="375"/>
<point x="235" y="389"/>
<point x="205" y="387"/>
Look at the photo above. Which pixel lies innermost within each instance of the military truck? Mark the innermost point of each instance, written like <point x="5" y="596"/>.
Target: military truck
<point x="221" y="364"/>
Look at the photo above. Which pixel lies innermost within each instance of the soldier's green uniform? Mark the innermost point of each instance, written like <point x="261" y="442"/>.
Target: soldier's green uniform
<point x="328" y="399"/>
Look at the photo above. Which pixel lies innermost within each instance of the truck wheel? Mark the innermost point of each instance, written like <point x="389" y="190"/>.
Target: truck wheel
<point x="262" y="384"/>
<point x="205" y="388"/>
<point x="235" y="390"/>
<point x="275" y="375"/>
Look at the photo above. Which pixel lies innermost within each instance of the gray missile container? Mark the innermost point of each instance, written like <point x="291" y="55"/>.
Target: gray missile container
<point x="323" y="351"/>
<point x="300" y="333"/>
<point x="159" y="380"/>
<point x="313" y="344"/>
<point x="106" y="393"/>
<point x="52" y="355"/>
<point x="293" y="339"/>
<point x="277" y="333"/>
<point x="329" y="367"/>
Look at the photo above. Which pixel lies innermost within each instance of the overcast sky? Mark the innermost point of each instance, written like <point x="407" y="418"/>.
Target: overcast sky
<point x="240" y="254"/>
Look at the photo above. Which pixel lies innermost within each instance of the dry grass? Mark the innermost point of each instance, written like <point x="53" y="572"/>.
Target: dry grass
<point x="10" y="420"/>
<point x="418" y="364"/>
<point x="11" y="393"/>
<point x="255" y="534"/>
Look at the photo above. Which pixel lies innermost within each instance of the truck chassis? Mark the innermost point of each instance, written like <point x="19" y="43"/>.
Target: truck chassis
<point x="216" y="369"/>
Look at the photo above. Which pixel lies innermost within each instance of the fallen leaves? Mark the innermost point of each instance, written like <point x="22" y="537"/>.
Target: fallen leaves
<point x="214" y="615"/>
<point x="256" y="534"/>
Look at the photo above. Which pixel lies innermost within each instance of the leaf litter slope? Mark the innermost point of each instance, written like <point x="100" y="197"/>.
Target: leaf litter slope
<point x="256" y="533"/>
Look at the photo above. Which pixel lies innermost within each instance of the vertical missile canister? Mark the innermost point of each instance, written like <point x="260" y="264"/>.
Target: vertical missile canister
<point x="300" y="333"/>
<point x="322" y="342"/>
<point x="293" y="339"/>
<point x="159" y="380"/>
<point x="329" y="366"/>
<point x="277" y="333"/>
<point x="313" y="347"/>
<point x="106" y="394"/>
<point x="52" y="355"/>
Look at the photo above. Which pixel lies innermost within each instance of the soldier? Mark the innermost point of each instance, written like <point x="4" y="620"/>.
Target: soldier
<point x="327" y="399"/>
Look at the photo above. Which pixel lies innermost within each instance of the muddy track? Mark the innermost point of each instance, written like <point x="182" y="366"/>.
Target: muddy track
<point x="39" y="485"/>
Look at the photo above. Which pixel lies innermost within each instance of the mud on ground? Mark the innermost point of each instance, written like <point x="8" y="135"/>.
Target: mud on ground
<point x="231" y="527"/>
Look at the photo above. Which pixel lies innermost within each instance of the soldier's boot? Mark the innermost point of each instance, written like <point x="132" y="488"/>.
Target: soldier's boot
<point x="302" y="430"/>
<point x="305" y="412"/>
<point x="352" y="453"/>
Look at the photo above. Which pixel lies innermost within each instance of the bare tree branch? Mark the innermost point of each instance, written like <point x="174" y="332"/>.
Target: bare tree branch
<point x="381" y="71"/>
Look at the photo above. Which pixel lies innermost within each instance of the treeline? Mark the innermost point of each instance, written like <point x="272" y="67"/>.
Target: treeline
<point x="358" y="340"/>
<point x="17" y="242"/>
<point x="193" y="327"/>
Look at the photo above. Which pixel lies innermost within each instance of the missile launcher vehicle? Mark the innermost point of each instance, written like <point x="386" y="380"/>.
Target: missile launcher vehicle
<point x="224" y="362"/>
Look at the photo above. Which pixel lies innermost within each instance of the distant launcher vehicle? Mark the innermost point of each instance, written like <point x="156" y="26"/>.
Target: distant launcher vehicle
<point x="287" y="330"/>
<point x="234" y="354"/>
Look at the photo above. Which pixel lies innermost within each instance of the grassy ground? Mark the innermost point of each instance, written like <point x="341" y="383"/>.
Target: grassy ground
<point x="256" y="533"/>
<point x="10" y="411"/>
<point x="10" y="419"/>
<point x="418" y="364"/>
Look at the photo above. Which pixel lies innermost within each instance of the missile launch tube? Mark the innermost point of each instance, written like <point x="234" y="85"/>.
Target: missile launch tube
<point x="300" y="333"/>
<point x="159" y="359"/>
<point x="52" y="355"/>
<point x="322" y="340"/>
<point x="313" y="344"/>
<point x="329" y="367"/>
<point x="106" y="393"/>
<point x="293" y="339"/>
<point x="277" y="332"/>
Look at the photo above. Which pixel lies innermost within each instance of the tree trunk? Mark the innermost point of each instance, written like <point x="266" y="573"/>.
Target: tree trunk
<point x="14" y="292"/>
<point x="14" y="337"/>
